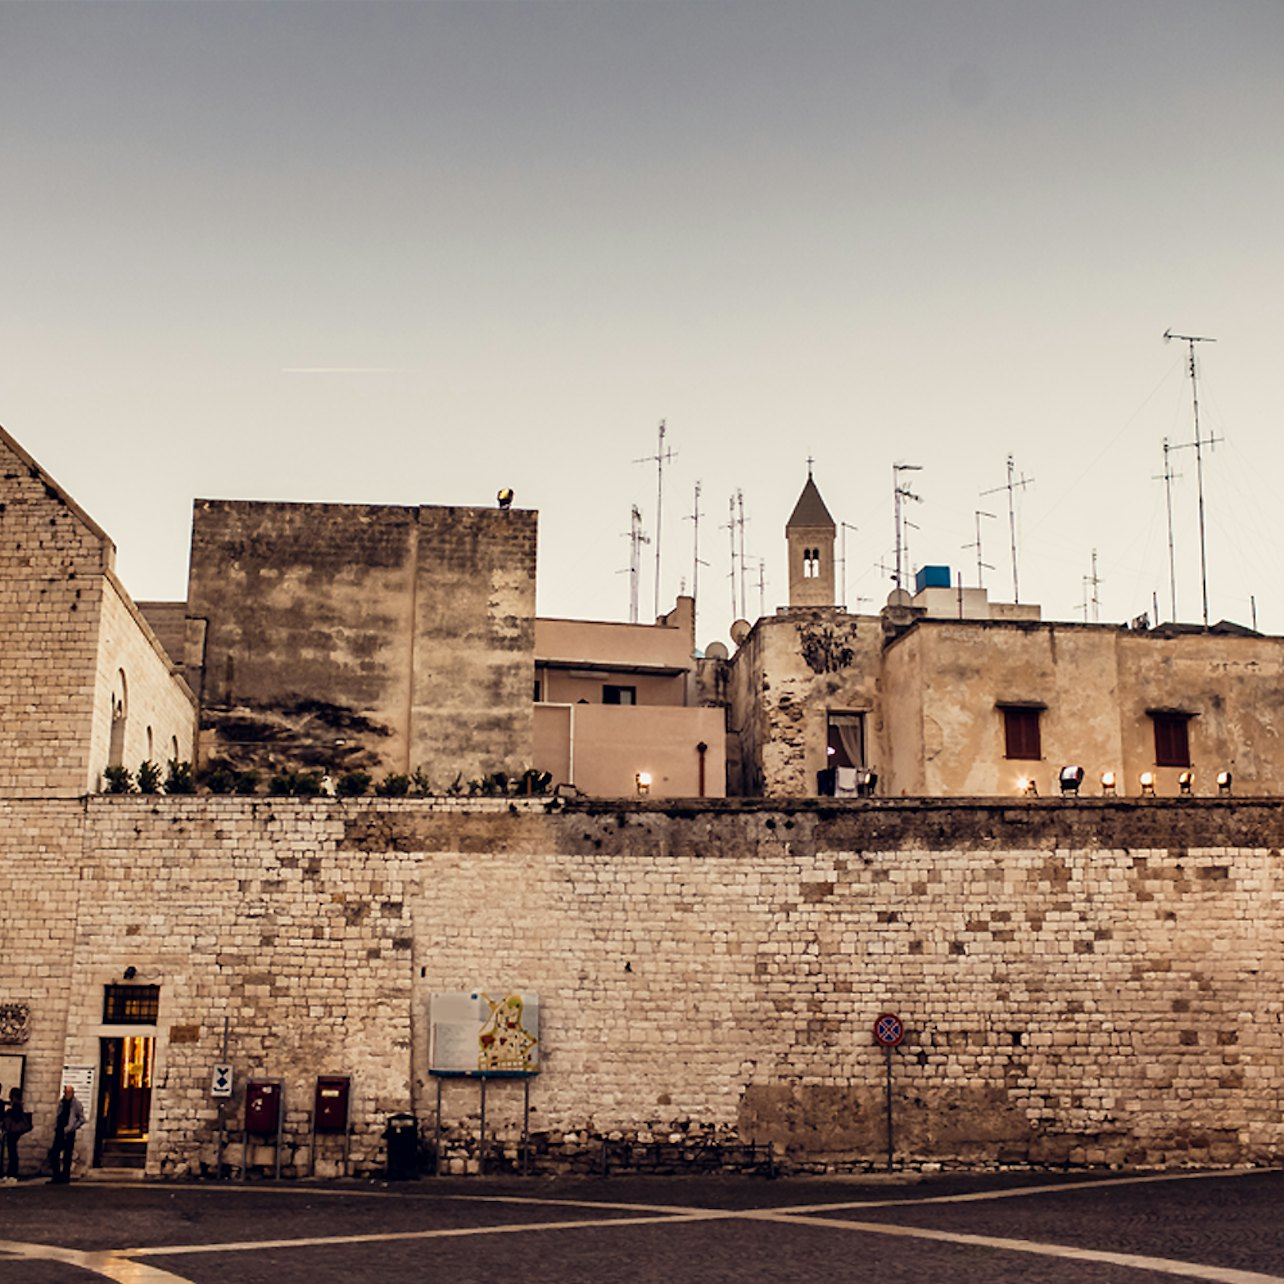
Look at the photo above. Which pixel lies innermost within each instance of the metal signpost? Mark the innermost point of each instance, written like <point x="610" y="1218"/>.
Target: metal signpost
<point x="889" y="1030"/>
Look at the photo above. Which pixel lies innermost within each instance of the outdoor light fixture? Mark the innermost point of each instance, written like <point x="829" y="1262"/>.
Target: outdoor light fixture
<point x="1186" y="782"/>
<point x="1030" y="788"/>
<point x="1224" y="782"/>
<point x="1147" y="784"/>
<point x="643" y="782"/>
<point x="1071" y="778"/>
<point x="505" y="497"/>
<point x="1108" y="783"/>
<point x="866" y="781"/>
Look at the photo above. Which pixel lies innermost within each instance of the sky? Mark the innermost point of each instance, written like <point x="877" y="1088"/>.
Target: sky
<point x="412" y="253"/>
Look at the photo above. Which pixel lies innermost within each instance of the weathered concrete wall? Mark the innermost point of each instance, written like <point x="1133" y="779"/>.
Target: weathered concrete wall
<point x="380" y="637"/>
<point x="1095" y="981"/>
<point x="601" y="748"/>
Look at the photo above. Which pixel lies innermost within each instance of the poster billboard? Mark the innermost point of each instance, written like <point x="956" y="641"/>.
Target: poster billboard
<point x="475" y="1033"/>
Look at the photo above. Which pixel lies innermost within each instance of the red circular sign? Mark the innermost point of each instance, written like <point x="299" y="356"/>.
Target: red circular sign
<point x="888" y="1030"/>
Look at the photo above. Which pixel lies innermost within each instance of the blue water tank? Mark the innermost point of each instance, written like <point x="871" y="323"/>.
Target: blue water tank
<point x="931" y="577"/>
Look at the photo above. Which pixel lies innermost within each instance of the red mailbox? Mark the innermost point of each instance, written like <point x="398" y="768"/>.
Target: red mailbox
<point x="262" y="1108"/>
<point x="330" y="1112"/>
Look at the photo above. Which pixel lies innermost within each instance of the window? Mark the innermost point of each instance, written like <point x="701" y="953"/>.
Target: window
<point x="1021" y="731"/>
<point x="846" y="740"/>
<point x="619" y="695"/>
<point x="131" y="1004"/>
<point x="538" y="688"/>
<point x="811" y="563"/>
<point x="1172" y="738"/>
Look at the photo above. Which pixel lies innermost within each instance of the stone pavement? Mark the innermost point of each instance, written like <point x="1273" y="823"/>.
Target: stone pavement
<point x="1225" y="1226"/>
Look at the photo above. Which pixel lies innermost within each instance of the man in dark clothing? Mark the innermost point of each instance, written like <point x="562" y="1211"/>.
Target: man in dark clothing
<point x="71" y="1118"/>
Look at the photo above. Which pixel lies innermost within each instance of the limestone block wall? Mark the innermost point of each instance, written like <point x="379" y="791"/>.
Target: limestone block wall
<point x="1094" y="981"/>
<point x="52" y="562"/>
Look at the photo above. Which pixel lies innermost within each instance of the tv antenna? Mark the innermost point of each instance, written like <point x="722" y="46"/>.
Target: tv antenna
<point x="659" y="459"/>
<point x="980" y="565"/>
<point x="901" y="491"/>
<point x="762" y="587"/>
<point x="1012" y="485"/>
<point x="740" y="519"/>
<point x="844" y="527"/>
<point x="1092" y="581"/>
<point x="1199" y="443"/>
<point x="731" y="527"/>
<point x="637" y="537"/>
<point x="1167" y="477"/>
<point x="697" y="561"/>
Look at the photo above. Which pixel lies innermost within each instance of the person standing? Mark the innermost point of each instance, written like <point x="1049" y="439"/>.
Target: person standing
<point x="71" y="1118"/>
<point x="17" y="1122"/>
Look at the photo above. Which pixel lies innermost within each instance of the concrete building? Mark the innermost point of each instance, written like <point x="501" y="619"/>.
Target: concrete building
<point x="619" y="710"/>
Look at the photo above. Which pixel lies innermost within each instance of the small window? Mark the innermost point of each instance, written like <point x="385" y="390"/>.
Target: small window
<point x="846" y="740"/>
<point x="539" y="686"/>
<point x="619" y="695"/>
<point x="131" y="1004"/>
<point x="811" y="563"/>
<point x="1021" y="733"/>
<point x="1172" y="739"/>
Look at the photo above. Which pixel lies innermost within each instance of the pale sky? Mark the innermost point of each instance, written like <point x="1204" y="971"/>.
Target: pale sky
<point x="410" y="253"/>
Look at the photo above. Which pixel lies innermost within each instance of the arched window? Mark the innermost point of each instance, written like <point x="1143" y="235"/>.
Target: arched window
<point x="173" y="748"/>
<point x="119" y="713"/>
<point x="150" y="750"/>
<point x="811" y="563"/>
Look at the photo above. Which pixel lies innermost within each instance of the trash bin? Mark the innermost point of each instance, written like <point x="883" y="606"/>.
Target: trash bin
<point x="402" y="1136"/>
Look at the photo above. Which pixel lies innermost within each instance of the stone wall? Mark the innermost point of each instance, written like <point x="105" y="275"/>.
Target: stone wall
<point x="1091" y="981"/>
<point x="52" y="562"/>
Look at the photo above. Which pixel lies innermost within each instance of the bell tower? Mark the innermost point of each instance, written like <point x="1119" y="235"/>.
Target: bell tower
<point x="809" y="534"/>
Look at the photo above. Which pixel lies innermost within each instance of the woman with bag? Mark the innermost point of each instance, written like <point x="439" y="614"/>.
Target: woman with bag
<point x="17" y="1121"/>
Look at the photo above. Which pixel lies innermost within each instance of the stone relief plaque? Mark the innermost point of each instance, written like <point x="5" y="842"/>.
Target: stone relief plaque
<point x="15" y="1022"/>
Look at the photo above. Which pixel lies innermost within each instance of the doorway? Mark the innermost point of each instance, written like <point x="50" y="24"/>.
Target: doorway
<point x="124" y="1100"/>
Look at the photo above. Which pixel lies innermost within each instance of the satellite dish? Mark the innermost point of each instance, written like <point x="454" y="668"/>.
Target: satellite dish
<point x="740" y="630"/>
<point x="716" y="651"/>
<point x="899" y="597"/>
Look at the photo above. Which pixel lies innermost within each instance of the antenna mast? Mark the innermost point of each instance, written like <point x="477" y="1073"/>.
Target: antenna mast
<point x="740" y="505"/>
<point x="762" y="587"/>
<point x="659" y="459"/>
<point x="1190" y="340"/>
<point x="731" y="526"/>
<point x="696" y="560"/>
<point x="902" y="491"/>
<point x="1012" y="485"/>
<point x="637" y="537"/>
<point x="1094" y="581"/>
<point x="980" y="565"/>
<point x="1167" y="478"/>
<point x="845" y="527"/>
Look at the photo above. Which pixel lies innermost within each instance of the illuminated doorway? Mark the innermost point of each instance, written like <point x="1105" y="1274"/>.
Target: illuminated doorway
<point x="125" y="1078"/>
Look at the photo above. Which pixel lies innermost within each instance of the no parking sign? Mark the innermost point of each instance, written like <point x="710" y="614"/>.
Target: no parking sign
<point x="888" y="1030"/>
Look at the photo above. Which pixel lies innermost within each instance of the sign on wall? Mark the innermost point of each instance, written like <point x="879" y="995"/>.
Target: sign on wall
<point x="473" y="1033"/>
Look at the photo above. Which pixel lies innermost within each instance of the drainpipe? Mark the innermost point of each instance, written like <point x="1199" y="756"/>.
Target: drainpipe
<point x="702" y="749"/>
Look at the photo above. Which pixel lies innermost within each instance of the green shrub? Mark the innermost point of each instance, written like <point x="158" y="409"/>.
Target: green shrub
<point x="118" y="780"/>
<point x="352" y="784"/>
<point x="149" y="778"/>
<point x="393" y="786"/>
<point x="179" y="778"/>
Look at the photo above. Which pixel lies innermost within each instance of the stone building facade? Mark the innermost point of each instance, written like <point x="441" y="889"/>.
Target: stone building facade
<point x="946" y="694"/>
<point x="84" y="682"/>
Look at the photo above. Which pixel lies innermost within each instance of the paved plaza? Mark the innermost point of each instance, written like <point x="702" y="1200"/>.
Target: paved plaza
<point x="1226" y="1226"/>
